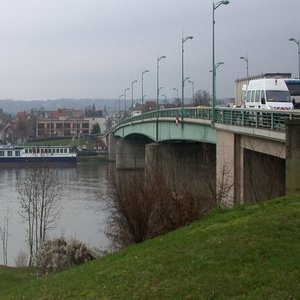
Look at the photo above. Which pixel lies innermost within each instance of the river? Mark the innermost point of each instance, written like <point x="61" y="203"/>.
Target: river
<point x="82" y="214"/>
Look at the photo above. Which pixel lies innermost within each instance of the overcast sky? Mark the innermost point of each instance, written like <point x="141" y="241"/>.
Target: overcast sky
<point x="55" y="49"/>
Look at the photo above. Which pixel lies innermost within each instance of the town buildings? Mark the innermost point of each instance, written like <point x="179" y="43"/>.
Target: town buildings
<point x="41" y="124"/>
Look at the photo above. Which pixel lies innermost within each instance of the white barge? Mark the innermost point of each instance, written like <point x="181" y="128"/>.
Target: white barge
<point x="18" y="156"/>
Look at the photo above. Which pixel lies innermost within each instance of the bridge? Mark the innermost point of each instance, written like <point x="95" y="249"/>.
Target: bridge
<point x="244" y="146"/>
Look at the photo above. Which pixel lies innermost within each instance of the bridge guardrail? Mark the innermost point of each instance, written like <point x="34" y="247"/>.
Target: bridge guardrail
<point x="267" y="119"/>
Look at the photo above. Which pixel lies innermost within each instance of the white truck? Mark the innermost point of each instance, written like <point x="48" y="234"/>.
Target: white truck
<point x="256" y="91"/>
<point x="136" y="113"/>
<point x="267" y="94"/>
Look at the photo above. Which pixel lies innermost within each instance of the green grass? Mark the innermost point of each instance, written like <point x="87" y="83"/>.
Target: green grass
<point x="62" y="142"/>
<point x="244" y="253"/>
<point x="58" y="142"/>
<point x="12" y="277"/>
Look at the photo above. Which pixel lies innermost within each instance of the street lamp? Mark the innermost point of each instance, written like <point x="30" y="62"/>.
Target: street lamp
<point x="215" y="70"/>
<point x="298" y="43"/>
<point x="164" y="96"/>
<point x="120" y="103"/>
<point x="176" y="91"/>
<point x="132" y="95"/>
<point x="143" y="72"/>
<point x="182" y="72"/>
<point x="127" y="89"/>
<point x="215" y="6"/>
<point x="190" y="81"/>
<point x="158" y="88"/>
<point x="115" y="108"/>
<point x="246" y="60"/>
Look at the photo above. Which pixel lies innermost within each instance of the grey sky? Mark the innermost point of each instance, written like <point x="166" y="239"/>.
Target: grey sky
<point x="96" y="48"/>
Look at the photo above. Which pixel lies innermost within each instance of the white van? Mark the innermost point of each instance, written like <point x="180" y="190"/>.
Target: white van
<point x="136" y="113"/>
<point x="270" y="93"/>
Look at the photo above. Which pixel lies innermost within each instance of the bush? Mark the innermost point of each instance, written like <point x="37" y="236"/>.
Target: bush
<point x="58" y="254"/>
<point x="21" y="259"/>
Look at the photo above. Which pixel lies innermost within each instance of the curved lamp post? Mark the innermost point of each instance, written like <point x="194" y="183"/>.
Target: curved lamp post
<point x="174" y="89"/>
<point x="120" y="103"/>
<point x="215" y="6"/>
<point x="182" y="72"/>
<point x="190" y="81"/>
<point x="298" y="43"/>
<point x="127" y="89"/>
<point x="215" y="70"/>
<point x="143" y="72"/>
<point x="246" y="60"/>
<point x="116" y="109"/>
<point x="132" y="95"/>
<point x="157" y="86"/>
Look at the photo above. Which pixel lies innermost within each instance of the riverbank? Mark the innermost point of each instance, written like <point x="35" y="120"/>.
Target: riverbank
<point x="244" y="253"/>
<point x="88" y="158"/>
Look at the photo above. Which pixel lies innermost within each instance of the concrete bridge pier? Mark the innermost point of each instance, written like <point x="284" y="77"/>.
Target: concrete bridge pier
<point x="229" y="169"/>
<point x="292" y="162"/>
<point x="186" y="163"/>
<point x="250" y="169"/>
<point x="111" y="142"/>
<point x="130" y="154"/>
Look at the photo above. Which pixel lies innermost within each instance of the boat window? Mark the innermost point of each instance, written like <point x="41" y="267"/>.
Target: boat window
<point x="57" y="150"/>
<point x="65" y="150"/>
<point x="9" y="153"/>
<point x="61" y="150"/>
<point x="26" y="150"/>
<point x="1" y="153"/>
<point x="17" y="153"/>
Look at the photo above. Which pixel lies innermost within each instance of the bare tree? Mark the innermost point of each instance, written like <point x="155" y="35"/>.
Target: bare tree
<point x="145" y="204"/>
<point x="202" y="97"/>
<point x="21" y="126"/>
<point x="21" y="259"/>
<point x="177" y="102"/>
<point x="4" y="234"/>
<point x="40" y="194"/>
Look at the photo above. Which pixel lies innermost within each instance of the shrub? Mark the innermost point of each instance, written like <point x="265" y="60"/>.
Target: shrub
<point x="58" y="254"/>
<point x="21" y="259"/>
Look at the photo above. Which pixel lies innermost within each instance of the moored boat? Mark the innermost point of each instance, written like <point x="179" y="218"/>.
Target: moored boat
<point x="18" y="156"/>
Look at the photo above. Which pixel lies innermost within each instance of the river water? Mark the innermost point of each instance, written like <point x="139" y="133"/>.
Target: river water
<point x="82" y="214"/>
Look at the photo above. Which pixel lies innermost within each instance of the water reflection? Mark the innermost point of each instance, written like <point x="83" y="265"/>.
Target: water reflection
<point x="82" y="215"/>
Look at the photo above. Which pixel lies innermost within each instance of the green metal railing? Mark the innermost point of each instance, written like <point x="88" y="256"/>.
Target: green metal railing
<point x="267" y="119"/>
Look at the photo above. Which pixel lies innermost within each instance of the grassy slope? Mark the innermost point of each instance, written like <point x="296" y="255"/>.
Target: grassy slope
<point x="11" y="277"/>
<point x="244" y="253"/>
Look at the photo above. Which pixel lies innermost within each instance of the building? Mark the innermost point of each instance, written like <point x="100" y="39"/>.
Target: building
<point x="95" y="117"/>
<point x="48" y="128"/>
